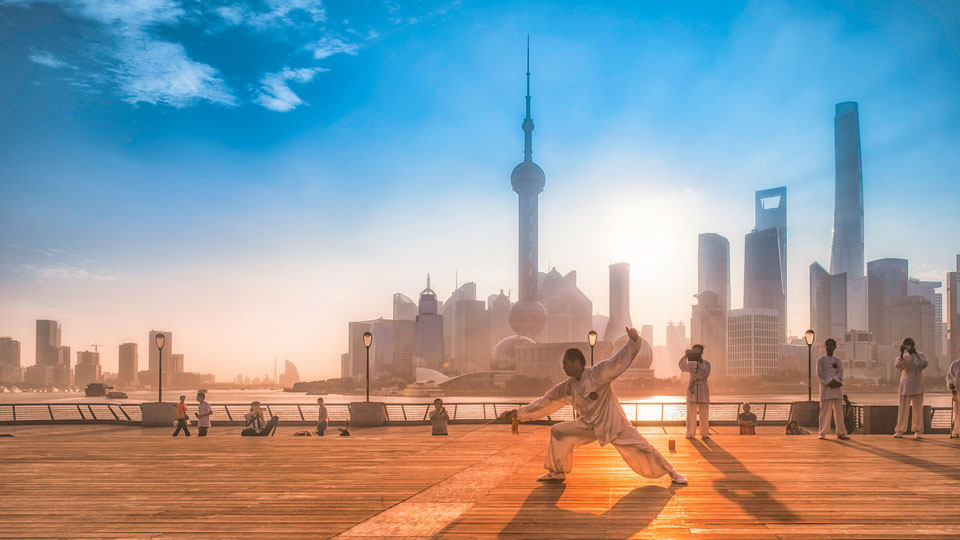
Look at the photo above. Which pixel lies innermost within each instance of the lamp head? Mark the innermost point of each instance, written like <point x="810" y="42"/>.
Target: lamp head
<point x="161" y="339"/>
<point x="592" y="337"/>
<point x="367" y="339"/>
<point x="808" y="337"/>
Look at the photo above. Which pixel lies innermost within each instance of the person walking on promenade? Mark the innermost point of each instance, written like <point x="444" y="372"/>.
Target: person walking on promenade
<point x="204" y="412"/>
<point x="910" y="364"/>
<point x="698" y="391"/>
<point x="322" y="417"/>
<point x="601" y="417"/>
<point x="747" y="421"/>
<point x="953" y="379"/>
<point x="830" y="373"/>
<point x="182" y="417"/>
<point x="439" y="418"/>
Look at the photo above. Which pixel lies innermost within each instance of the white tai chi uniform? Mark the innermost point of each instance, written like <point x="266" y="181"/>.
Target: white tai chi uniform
<point x="698" y="396"/>
<point x="601" y="419"/>
<point x="830" y="368"/>
<point x="911" y="368"/>
<point x="953" y="378"/>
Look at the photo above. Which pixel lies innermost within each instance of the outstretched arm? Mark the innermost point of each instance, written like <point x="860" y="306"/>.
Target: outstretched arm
<point x="611" y="368"/>
<point x="551" y="402"/>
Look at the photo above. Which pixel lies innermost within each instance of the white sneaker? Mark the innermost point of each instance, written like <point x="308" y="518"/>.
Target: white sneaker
<point x="677" y="478"/>
<point x="917" y="436"/>
<point x="551" y="477"/>
<point x="898" y="435"/>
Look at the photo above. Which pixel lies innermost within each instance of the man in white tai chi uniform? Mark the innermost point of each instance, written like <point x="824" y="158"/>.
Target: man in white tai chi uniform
<point x="953" y="380"/>
<point x="830" y="373"/>
<point x="698" y="391"/>
<point x="601" y="418"/>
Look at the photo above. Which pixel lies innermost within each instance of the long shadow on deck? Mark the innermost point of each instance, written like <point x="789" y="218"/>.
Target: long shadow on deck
<point x="540" y="517"/>
<point x="752" y="492"/>
<point x="925" y="464"/>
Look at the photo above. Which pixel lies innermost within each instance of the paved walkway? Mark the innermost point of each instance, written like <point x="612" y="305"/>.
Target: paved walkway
<point x="401" y="483"/>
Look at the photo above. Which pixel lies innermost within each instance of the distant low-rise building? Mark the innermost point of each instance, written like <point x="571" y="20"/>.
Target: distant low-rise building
<point x="753" y="342"/>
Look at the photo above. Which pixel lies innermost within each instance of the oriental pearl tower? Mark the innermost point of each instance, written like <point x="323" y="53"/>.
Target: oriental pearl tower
<point x="528" y="316"/>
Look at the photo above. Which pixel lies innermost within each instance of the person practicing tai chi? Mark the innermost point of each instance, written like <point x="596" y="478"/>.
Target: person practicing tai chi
<point x="830" y="373"/>
<point x="953" y="379"/>
<point x="439" y="418"/>
<point x="698" y="392"/>
<point x="601" y="418"/>
<point x="910" y="364"/>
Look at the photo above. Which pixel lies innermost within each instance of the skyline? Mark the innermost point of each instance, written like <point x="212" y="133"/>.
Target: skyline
<point x="243" y="215"/>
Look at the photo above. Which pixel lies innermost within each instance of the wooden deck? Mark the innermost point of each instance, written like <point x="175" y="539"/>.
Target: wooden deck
<point x="399" y="482"/>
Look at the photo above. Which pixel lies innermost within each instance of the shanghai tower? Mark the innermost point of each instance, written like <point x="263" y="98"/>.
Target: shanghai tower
<point x="528" y="316"/>
<point x="846" y="255"/>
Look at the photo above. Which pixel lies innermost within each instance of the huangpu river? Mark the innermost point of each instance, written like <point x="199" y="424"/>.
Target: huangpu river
<point x="939" y="398"/>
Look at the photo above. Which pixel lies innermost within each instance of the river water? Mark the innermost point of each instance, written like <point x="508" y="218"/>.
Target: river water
<point x="277" y="396"/>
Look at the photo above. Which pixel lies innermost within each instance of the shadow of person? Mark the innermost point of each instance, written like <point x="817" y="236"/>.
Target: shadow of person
<point x="925" y="464"/>
<point x="540" y="516"/>
<point x="752" y="492"/>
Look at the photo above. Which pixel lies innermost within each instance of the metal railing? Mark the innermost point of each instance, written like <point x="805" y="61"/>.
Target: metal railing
<point x="640" y="413"/>
<point x="941" y="420"/>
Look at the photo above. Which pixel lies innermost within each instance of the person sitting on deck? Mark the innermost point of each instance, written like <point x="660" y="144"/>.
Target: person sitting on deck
<point x="255" y="425"/>
<point x="793" y="428"/>
<point x="747" y="421"/>
<point x="600" y="416"/>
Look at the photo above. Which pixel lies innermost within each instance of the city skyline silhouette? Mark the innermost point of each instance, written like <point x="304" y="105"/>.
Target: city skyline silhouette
<point x="255" y="224"/>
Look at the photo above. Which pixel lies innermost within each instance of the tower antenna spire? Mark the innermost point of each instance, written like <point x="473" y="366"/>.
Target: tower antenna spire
<point x="527" y="121"/>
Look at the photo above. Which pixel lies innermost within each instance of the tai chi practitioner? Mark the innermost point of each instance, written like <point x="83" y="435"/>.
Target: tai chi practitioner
<point x="698" y="392"/>
<point x="830" y="373"/>
<point x="911" y="364"/>
<point x="601" y="417"/>
<point x="439" y="418"/>
<point x="953" y="379"/>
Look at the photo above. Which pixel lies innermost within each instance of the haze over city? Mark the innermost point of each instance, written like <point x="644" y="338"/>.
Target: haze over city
<point x="252" y="177"/>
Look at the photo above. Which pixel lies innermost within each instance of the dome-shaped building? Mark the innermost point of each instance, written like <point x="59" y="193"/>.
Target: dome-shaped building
<point x="504" y="355"/>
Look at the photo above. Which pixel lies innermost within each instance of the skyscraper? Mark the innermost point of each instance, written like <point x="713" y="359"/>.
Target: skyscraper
<point x="619" y="302"/>
<point x="912" y="316"/>
<point x="928" y="290"/>
<point x="708" y="327"/>
<point x="765" y="257"/>
<point x="128" y="363"/>
<point x="404" y="309"/>
<point x="568" y="309"/>
<point x="828" y="303"/>
<point x="88" y="368"/>
<point x="846" y="254"/>
<point x="887" y="281"/>
<point x="713" y="266"/>
<point x="428" y="339"/>
<point x="48" y="343"/>
<point x="753" y="347"/>
<point x="953" y="313"/>
<point x="528" y="316"/>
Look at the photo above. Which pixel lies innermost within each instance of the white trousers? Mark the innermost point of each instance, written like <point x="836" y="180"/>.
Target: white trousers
<point x="828" y="408"/>
<point x="956" y="419"/>
<point x="903" y="414"/>
<point x="639" y="454"/>
<point x="694" y="410"/>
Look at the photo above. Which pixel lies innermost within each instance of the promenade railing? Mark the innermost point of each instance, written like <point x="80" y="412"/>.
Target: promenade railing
<point x="640" y="413"/>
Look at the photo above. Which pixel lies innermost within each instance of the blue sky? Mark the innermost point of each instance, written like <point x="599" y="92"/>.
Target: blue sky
<point x="253" y="175"/>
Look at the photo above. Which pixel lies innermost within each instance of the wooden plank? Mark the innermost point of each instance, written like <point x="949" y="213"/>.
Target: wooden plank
<point x="479" y="482"/>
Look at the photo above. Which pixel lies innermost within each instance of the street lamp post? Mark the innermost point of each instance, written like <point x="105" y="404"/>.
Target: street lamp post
<point x="367" y="341"/>
<point x="592" y="340"/>
<point x="161" y="339"/>
<point x="808" y="337"/>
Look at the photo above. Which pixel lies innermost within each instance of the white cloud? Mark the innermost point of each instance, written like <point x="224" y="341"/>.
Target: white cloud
<point x="154" y="71"/>
<point x="61" y="271"/>
<point x="47" y="59"/>
<point x="278" y="13"/>
<point x="275" y="94"/>
<point x="329" y="46"/>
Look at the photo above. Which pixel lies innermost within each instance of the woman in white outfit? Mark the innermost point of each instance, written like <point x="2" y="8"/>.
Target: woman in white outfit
<point x="698" y="391"/>
<point x="601" y="417"/>
<point x="911" y="364"/>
